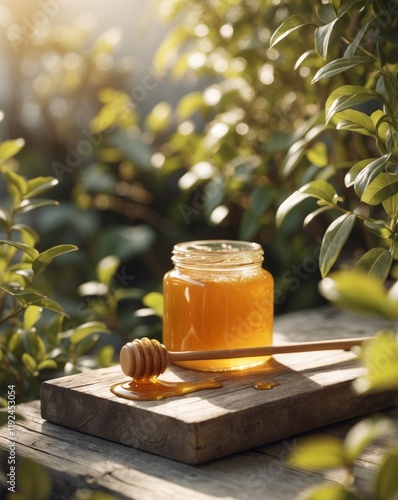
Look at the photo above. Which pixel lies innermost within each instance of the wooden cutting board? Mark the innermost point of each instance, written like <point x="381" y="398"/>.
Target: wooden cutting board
<point x="315" y="389"/>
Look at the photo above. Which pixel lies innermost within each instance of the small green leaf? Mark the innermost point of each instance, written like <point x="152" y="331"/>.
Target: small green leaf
<point x="30" y="251"/>
<point x="154" y="300"/>
<point x="50" y="305"/>
<point x="81" y="332"/>
<point x="10" y="148"/>
<point x="370" y="172"/>
<point x="46" y="257"/>
<point x="317" y="189"/>
<point x="390" y="205"/>
<point x="379" y="228"/>
<point x="16" y="180"/>
<point x="318" y="453"/>
<point x="127" y="294"/>
<point x="350" y="50"/>
<point x="39" y="185"/>
<point x="354" y="171"/>
<point x="289" y="25"/>
<point x="107" y="268"/>
<point x="28" y="235"/>
<point x="322" y="38"/>
<point x="365" y="432"/>
<point x="333" y="241"/>
<point x="29" y="362"/>
<point x="349" y="101"/>
<point x="47" y="364"/>
<point x="356" y="121"/>
<point x="386" y="484"/>
<point x="338" y="66"/>
<point x="27" y="205"/>
<point x="31" y="316"/>
<point x="384" y="186"/>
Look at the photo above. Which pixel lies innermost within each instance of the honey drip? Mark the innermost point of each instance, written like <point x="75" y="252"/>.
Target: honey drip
<point x="262" y="385"/>
<point x="155" y="389"/>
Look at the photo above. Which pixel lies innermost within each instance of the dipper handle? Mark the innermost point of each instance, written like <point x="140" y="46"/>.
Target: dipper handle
<point x="145" y="358"/>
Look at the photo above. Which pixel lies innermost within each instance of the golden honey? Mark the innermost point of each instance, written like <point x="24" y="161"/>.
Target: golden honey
<point x="218" y="296"/>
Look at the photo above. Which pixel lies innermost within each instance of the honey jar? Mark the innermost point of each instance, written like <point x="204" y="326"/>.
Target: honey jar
<point x="218" y="296"/>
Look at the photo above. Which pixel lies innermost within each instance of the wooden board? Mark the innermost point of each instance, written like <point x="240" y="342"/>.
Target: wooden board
<point x="315" y="389"/>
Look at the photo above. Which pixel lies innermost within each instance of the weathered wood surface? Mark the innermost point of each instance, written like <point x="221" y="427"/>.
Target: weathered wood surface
<point x="315" y="390"/>
<point x="78" y="461"/>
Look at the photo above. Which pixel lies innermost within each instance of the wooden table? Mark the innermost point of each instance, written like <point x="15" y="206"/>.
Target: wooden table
<point x="79" y="461"/>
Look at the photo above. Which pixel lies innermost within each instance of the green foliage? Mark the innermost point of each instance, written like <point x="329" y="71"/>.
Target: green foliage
<point x="360" y="74"/>
<point x="329" y="452"/>
<point x="34" y="344"/>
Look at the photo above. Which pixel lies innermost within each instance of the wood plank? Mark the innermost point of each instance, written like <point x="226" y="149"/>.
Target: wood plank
<point x="75" y="460"/>
<point x="315" y="389"/>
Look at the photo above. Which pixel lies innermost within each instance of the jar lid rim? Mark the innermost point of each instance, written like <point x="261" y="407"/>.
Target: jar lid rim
<point x="217" y="246"/>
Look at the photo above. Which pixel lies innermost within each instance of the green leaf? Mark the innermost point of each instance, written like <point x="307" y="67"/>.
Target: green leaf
<point x="332" y="492"/>
<point x="349" y="101"/>
<point x="39" y="185"/>
<point x="33" y="478"/>
<point x="317" y="189"/>
<point x="322" y="38"/>
<point x="27" y="205"/>
<point x="29" y="362"/>
<point x="30" y="251"/>
<point x="28" y="235"/>
<point x="370" y="172"/>
<point x="376" y="261"/>
<point x="16" y="180"/>
<point x="338" y="66"/>
<point x="379" y="228"/>
<point x="47" y="364"/>
<point x="356" y="121"/>
<point x="4" y="219"/>
<point x="10" y="148"/>
<point x="390" y="205"/>
<point x="107" y="268"/>
<point x="364" y="433"/>
<point x="154" y="300"/>
<point x="380" y="189"/>
<point x="46" y="257"/>
<point x="50" y="305"/>
<point x="380" y="357"/>
<point x="106" y="356"/>
<point x="31" y="316"/>
<point x="81" y="332"/>
<point x="318" y="154"/>
<point x="350" y="50"/>
<point x="359" y="292"/>
<point x="289" y="25"/>
<point x="127" y="294"/>
<point x="353" y="173"/>
<point x="318" y="453"/>
<point x="333" y="241"/>
<point x="386" y="483"/>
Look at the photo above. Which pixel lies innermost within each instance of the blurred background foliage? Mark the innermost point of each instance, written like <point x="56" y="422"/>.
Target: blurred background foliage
<point x="204" y="130"/>
<point x="205" y="139"/>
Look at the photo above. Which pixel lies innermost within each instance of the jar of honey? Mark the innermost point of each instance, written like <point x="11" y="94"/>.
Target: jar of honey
<point x="218" y="296"/>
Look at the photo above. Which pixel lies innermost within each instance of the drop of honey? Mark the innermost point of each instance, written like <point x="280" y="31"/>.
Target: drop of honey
<point x="261" y="385"/>
<point x="155" y="389"/>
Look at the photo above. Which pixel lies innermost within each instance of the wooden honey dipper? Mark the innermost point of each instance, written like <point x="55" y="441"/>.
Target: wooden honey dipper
<point x="145" y="358"/>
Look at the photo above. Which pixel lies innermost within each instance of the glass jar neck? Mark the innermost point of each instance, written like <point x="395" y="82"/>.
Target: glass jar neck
<point x="225" y="255"/>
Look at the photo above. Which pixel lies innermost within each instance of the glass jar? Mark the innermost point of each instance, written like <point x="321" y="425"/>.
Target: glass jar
<point x="218" y="296"/>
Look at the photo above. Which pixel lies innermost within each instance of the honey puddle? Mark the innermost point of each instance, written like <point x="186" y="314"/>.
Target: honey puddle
<point x="261" y="385"/>
<point x="155" y="389"/>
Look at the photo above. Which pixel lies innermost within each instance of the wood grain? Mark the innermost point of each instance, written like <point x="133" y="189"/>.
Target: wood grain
<point x="315" y="389"/>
